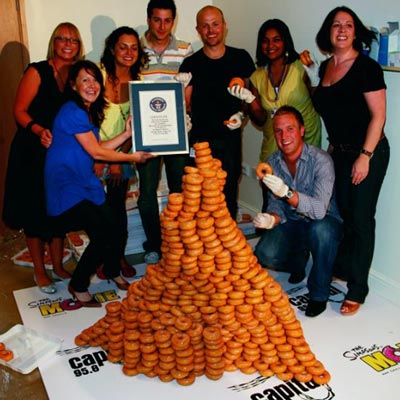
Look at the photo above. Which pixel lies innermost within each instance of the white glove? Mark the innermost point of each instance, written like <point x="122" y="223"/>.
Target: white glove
<point x="183" y="77"/>
<point x="235" y="121"/>
<point x="276" y="185"/>
<point x="241" y="93"/>
<point x="312" y="71"/>
<point x="188" y="123"/>
<point x="264" y="221"/>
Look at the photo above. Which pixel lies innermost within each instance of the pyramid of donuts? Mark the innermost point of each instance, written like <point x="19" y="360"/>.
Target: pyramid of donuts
<point x="208" y="306"/>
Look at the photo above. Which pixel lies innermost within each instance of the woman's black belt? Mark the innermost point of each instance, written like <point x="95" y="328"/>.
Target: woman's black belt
<point x="350" y="148"/>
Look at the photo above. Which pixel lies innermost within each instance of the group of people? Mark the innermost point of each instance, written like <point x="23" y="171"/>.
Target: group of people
<point x="74" y="130"/>
<point x="321" y="203"/>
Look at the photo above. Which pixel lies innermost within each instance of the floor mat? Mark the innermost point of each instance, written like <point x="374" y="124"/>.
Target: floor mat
<point x="361" y="352"/>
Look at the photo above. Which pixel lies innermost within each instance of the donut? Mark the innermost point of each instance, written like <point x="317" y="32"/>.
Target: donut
<point x="193" y="179"/>
<point x="204" y="152"/>
<point x="236" y="81"/>
<point x="305" y="58"/>
<point x="201" y="145"/>
<point x="188" y="380"/>
<point x="285" y="376"/>
<point x="6" y="355"/>
<point x="180" y="341"/>
<point x="317" y="369"/>
<point x="204" y="160"/>
<point x="175" y="198"/>
<point x="262" y="169"/>
<point x="183" y="323"/>
<point x="303" y="377"/>
<point x="191" y="170"/>
<point x="113" y="307"/>
<point x="322" y="379"/>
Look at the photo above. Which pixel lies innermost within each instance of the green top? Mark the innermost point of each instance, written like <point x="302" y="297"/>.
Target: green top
<point x="294" y="92"/>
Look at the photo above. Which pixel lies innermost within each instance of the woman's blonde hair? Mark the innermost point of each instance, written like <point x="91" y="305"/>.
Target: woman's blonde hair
<point x="68" y="25"/>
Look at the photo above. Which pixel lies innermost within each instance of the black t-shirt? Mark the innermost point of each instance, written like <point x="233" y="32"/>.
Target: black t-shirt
<point x="211" y="102"/>
<point x="342" y="105"/>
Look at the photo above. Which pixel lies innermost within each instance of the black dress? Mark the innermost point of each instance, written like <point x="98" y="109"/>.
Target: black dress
<point x="24" y="197"/>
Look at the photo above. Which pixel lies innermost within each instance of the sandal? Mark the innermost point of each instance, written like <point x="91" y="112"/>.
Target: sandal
<point x="349" y="307"/>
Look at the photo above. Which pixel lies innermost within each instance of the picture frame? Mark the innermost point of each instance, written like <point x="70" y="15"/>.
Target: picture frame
<point x="159" y="117"/>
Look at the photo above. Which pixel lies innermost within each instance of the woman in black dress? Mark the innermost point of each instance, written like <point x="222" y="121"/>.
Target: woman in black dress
<point x="39" y="97"/>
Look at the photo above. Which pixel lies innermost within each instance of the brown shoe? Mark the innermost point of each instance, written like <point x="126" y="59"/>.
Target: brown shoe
<point x="128" y="271"/>
<point x="349" y="307"/>
<point x="121" y="283"/>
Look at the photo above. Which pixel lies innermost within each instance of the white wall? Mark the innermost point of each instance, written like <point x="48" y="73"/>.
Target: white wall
<point x="97" y="18"/>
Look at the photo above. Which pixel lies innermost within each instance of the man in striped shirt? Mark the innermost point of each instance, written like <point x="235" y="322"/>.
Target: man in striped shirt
<point x="164" y="50"/>
<point x="166" y="54"/>
<point x="302" y="216"/>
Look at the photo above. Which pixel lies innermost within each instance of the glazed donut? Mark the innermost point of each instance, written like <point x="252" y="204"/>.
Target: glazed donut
<point x="273" y="289"/>
<point x="211" y="184"/>
<point x="322" y="379"/>
<point x="204" y="152"/>
<point x="285" y="376"/>
<point x="236" y="81"/>
<point x="188" y="380"/>
<point x="201" y="161"/>
<point x="113" y="307"/>
<point x="262" y="169"/>
<point x="180" y="341"/>
<point x="175" y="198"/>
<point x="191" y="170"/>
<point x="192" y="188"/>
<point x="201" y="145"/>
<point x="220" y="212"/>
<point x="305" y="58"/>
<point x="183" y="323"/>
<point x="317" y="369"/>
<point x="303" y="377"/>
<point x="193" y="179"/>
<point x="79" y="341"/>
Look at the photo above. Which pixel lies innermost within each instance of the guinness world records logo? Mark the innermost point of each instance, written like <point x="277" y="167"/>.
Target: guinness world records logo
<point x="158" y="104"/>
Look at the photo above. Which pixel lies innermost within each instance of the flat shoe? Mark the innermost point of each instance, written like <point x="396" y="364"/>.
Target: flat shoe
<point x="315" y="308"/>
<point x="122" y="284"/>
<point x="349" y="308"/>
<point x="49" y="289"/>
<point x="297" y="277"/>
<point x="57" y="277"/>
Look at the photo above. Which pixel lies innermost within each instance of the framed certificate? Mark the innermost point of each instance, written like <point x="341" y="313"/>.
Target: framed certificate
<point x="159" y="117"/>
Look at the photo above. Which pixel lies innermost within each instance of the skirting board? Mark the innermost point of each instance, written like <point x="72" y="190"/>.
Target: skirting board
<point x="384" y="286"/>
<point x="379" y="283"/>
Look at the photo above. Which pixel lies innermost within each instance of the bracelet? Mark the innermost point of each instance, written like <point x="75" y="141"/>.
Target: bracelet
<point x="30" y="124"/>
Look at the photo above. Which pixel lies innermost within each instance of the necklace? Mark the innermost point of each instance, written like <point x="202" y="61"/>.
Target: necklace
<point x="276" y="88"/>
<point x="124" y="115"/>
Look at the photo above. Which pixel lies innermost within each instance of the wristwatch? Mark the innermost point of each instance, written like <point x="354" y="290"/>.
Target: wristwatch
<point x="288" y="195"/>
<point x="367" y="153"/>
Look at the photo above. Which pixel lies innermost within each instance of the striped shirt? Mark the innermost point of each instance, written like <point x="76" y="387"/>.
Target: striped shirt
<point x="165" y="66"/>
<point x="314" y="183"/>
